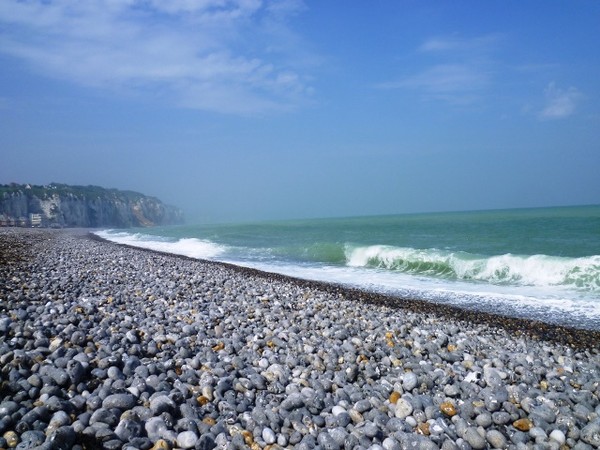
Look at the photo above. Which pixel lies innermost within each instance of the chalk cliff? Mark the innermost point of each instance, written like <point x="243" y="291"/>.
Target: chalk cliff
<point x="85" y="206"/>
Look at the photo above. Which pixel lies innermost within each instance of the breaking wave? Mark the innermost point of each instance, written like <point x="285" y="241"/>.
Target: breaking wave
<point x="191" y="247"/>
<point x="517" y="270"/>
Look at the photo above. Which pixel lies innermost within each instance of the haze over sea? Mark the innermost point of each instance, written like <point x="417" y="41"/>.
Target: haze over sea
<point x="541" y="263"/>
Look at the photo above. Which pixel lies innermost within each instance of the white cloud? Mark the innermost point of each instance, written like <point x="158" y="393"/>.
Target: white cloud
<point x="456" y="70"/>
<point x="458" y="84"/>
<point x="205" y="54"/>
<point x="481" y="44"/>
<point x="560" y="103"/>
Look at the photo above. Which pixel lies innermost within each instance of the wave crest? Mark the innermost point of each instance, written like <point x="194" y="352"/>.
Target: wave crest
<point x="191" y="247"/>
<point x="535" y="270"/>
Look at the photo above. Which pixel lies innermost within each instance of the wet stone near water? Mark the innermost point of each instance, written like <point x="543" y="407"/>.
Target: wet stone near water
<point x="126" y="348"/>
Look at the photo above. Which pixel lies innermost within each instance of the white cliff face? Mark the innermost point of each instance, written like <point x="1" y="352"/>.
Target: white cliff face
<point x="49" y="206"/>
<point x="87" y="207"/>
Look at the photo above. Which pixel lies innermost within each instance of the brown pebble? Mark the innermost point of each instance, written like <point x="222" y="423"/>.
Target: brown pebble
<point x="248" y="437"/>
<point x="448" y="409"/>
<point x="209" y="421"/>
<point x="394" y="397"/>
<point x="202" y="400"/>
<point x="12" y="439"/>
<point x="523" y="424"/>
<point x="423" y="428"/>
<point x="161" y="444"/>
<point x="219" y="346"/>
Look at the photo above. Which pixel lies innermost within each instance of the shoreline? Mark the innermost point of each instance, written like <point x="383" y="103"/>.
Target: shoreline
<point x="572" y="336"/>
<point x="106" y="346"/>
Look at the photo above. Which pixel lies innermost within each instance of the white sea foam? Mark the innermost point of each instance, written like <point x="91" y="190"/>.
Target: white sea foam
<point x="536" y="270"/>
<point x="560" y="290"/>
<point x="192" y="247"/>
<point x="551" y="304"/>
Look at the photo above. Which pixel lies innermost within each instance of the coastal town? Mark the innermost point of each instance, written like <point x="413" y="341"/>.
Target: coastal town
<point x="32" y="220"/>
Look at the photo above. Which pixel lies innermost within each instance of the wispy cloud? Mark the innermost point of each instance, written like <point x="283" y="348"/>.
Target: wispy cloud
<point x="476" y="45"/>
<point x="560" y="103"/>
<point x="213" y="55"/>
<point x="454" y="70"/>
<point x="458" y="84"/>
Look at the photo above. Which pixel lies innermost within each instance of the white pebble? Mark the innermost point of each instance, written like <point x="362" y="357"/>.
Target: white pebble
<point x="403" y="409"/>
<point x="268" y="435"/>
<point x="558" y="436"/>
<point x="337" y="410"/>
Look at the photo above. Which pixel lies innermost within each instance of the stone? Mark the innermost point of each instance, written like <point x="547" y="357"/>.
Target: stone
<point x="187" y="439"/>
<point x="409" y="381"/>
<point x="523" y="424"/>
<point x="293" y="401"/>
<point x="63" y="438"/>
<point x="128" y="429"/>
<point x="119" y="401"/>
<point x="327" y="442"/>
<point x="496" y="439"/>
<point x="558" y="436"/>
<point x="403" y="408"/>
<point x="31" y="438"/>
<point x="590" y="434"/>
<point x="448" y="409"/>
<point x="337" y="410"/>
<point x="161" y="404"/>
<point x="161" y="444"/>
<point x="474" y="439"/>
<point x="155" y="428"/>
<point x="484" y="419"/>
<point x="268" y="435"/>
<point x="394" y="397"/>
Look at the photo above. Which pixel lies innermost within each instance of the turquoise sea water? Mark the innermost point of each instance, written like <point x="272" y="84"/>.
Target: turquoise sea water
<point x="542" y="263"/>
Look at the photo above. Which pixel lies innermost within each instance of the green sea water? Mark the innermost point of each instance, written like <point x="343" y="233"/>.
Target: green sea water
<point x="524" y="259"/>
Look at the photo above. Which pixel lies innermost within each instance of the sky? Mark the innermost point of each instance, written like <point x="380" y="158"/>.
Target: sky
<point x="243" y="110"/>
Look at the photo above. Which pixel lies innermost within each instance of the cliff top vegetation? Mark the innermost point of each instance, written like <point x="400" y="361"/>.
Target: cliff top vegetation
<point x="89" y="192"/>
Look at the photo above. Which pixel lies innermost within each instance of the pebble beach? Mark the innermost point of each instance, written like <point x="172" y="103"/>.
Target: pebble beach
<point x="105" y="346"/>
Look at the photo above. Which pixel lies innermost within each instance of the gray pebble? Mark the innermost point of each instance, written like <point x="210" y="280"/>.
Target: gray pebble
<point x="474" y="439"/>
<point x="590" y="434"/>
<point x="187" y="439"/>
<point x="160" y="404"/>
<point x="327" y="441"/>
<point x="409" y="381"/>
<point x="268" y="435"/>
<point x="496" y="439"/>
<point x="119" y="401"/>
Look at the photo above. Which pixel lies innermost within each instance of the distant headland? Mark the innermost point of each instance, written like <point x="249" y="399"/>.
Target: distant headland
<point x="60" y="205"/>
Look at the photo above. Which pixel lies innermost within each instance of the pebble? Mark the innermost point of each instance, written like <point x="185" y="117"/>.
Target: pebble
<point x="188" y="439"/>
<point x="590" y="434"/>
<point x="558" y="436"/>
<point x="448" y="409"/>
<point x="523" y="424"/>
<point x="268" y="435"/>
<point x="403" y="408"/>
<point x="474" y="438"/>
<point x="409" y="381"/>
<point x="119" y="401"/>
<point x="132" y="349"/>
<point x="496" y="439"/>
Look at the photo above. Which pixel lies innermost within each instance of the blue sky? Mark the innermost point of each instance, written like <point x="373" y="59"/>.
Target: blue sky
<point x="258" y="109"/>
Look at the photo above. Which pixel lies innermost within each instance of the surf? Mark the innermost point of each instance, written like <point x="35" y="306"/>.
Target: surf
<point x="191" y="247"/>
<point x="518" y="270"/>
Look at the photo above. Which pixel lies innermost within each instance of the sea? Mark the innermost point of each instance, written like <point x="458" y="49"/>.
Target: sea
<point x="541" y="263"/>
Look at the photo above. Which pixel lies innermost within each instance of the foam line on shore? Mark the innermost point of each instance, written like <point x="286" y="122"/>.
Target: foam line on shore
<point x="572" y="336"/>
